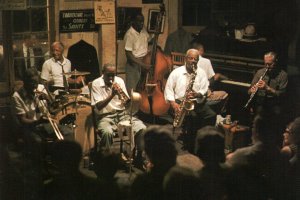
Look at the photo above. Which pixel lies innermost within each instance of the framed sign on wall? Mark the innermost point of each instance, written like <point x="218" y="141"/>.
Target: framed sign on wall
<point x="152" y="21"/>
<point x="104" y="12"/>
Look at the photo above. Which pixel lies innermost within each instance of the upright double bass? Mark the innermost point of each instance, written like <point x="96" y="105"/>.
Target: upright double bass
<point x="152" y="82"/>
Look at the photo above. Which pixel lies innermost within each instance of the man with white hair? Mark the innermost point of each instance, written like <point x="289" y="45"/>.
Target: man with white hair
<point x="54" y="68"/>
<point x="177" y="89"/>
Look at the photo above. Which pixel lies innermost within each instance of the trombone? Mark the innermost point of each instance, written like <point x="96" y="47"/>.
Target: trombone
<point x="52" y="121"/>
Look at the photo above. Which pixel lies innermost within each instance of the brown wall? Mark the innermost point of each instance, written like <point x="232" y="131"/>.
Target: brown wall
<point x="110" y="50"/>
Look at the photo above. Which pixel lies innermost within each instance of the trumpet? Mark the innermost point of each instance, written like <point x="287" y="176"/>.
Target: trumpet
<point x="122" y="95"/>
<point x="46" y="113"/>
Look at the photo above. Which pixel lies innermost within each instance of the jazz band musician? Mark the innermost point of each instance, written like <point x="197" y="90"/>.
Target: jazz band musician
<point x="54" y="69"/>
<point x="110" y="109"/>
<point x="176" y="89"/>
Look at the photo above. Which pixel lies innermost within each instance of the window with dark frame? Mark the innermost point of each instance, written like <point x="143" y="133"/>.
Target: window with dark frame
<point x="31" y="21"/>
<point x="196" y="12"/>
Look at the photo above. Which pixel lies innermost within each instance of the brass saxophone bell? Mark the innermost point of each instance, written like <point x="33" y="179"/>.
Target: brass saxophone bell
<point x="189" y="105"/>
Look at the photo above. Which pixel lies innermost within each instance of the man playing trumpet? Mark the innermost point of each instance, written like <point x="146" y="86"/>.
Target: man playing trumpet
<point x="108" y="96"/>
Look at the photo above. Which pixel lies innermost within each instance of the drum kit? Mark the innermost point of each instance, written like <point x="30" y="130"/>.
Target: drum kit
<point x="73" y="109"/>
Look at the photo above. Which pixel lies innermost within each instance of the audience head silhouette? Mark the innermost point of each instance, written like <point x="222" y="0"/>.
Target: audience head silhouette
<point x="160" y="147"/>
<point x="181" y="183"/>
<point x="210" y="145"/>
<point x="106" y="164"/>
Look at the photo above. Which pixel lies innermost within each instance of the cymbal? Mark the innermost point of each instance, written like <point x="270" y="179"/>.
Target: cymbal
<point x="76" y="73"/>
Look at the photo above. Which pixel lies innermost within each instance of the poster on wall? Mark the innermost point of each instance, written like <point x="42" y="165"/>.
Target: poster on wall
<point x="104" y="12"/>
<point x="152" y="20"/>
<point x="77" y="21"/>
<point x="12" y="4"/>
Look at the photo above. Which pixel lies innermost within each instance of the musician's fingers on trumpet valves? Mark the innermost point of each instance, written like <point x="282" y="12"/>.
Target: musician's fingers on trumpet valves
<point x="114" y="89"/>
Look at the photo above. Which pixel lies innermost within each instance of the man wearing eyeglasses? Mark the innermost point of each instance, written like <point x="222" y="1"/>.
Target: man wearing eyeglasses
<point x="177" y="90"/>
<point x="272" y="87"/>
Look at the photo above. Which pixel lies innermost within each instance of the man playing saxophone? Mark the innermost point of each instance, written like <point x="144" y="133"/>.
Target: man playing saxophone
<point x="28" y="105"/>
<point x="109" y="96"/>
<point x="177" y="90"/>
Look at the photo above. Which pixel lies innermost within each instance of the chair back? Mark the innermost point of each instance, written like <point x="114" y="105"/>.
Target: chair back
<point x="178" y="59"/>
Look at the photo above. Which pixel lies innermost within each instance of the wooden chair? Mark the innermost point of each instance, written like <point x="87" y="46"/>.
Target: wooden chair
<point x="178" y="59"/>
<point x="119" y="137"/>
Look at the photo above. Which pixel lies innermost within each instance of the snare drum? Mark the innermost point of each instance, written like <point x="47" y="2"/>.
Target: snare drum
<point x="78" y="115"/>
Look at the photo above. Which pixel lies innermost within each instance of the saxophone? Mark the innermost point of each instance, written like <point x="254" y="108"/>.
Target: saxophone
<point x="186" y="104"/>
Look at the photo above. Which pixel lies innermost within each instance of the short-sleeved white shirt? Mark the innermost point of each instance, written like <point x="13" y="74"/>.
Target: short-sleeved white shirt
<point x="137" y="42"/>
<point x="178" y="81"/>
<point x="52" y="70"/>
<point x="100" y="92"/>
<point x="29" y="107"/>
<point x="205" y="64"/>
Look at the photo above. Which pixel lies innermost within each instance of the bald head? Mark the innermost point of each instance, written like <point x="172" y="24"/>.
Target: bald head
<point x="191" y="60"/>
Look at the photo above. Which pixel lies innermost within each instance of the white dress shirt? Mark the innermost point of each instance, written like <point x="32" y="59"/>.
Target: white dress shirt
<point x="205" y="64"/>
<point x="178" y="81"/>
<point x="137" y="42"/>
<point x="27" y="106"/>
<point x="52" y="70"/>
<point x="100" y="92"/>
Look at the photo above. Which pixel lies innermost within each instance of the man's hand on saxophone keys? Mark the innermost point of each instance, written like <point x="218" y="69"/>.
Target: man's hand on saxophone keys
<point x="175" y="106"/>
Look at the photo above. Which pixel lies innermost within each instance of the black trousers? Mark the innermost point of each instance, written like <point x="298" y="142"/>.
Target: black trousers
<point x="201" y="116"/>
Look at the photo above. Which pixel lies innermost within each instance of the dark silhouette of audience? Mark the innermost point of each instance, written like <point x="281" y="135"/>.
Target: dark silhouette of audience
<point x="106" y="166"/>
<point x="160" y="149"/>
<point x="209" y="148"/>
<point x="69" y="183"/>
<point x="181" y="183"/>
<point x="294" y="181"/>
<point x="259" y="171"/>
